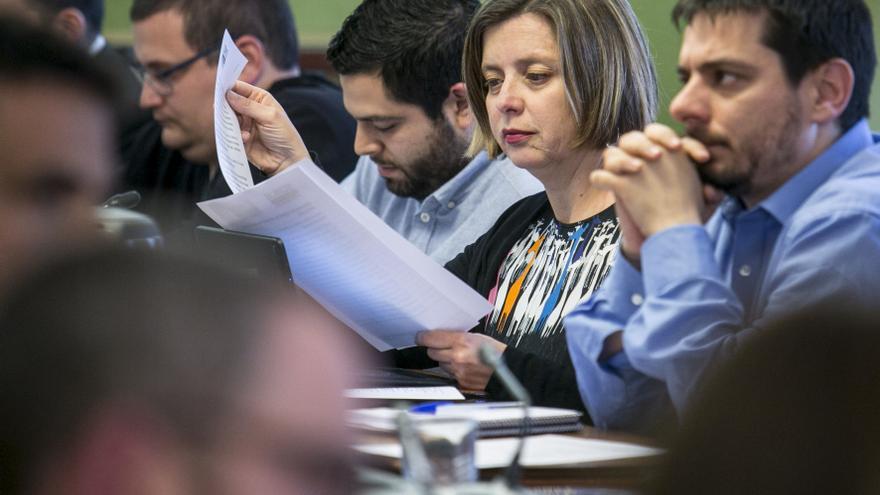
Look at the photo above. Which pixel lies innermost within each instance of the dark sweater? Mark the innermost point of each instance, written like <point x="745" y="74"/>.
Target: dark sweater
<point x="534" y="269"/>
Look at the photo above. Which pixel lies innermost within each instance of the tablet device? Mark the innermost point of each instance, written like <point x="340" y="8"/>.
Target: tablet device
<point x="254" y="255"/>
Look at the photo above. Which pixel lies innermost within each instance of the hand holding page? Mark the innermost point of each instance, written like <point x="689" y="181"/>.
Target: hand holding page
<point x="349" y="260"/>
<point x="227" y="134"/>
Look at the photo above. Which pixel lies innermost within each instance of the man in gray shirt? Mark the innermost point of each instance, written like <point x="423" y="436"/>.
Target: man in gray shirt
<point x="400" y="69"/>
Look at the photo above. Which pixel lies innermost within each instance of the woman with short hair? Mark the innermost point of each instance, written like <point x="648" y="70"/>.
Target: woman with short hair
<point x="551" y="83"/>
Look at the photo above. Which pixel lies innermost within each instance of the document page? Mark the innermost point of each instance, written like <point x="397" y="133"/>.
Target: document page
<point x="540" y="451"/>
<point x="349" y="260"/>
<point x="227" y="133"/>
<point x="405" y="393"/>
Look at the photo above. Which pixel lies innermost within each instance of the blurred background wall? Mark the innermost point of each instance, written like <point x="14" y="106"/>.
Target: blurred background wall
<point x="317" y="20"/>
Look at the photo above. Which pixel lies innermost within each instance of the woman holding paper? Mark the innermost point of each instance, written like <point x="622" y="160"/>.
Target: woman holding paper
<point x="551" y="84"/>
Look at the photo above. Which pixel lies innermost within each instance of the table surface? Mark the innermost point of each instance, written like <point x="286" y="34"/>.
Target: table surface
<point x="622" y="474"/>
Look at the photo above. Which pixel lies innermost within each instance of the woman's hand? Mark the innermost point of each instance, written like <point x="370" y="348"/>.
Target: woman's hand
<point x="271" y="141"/>
<point x="459" y="354"/>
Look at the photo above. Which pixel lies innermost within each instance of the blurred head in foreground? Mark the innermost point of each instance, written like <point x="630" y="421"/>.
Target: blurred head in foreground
<point x="126" y="372"/>
<point x="56" y="144"/>
<point x="795" y="412"/>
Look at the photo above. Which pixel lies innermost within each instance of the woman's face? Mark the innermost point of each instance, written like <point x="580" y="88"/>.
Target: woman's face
<point x="525" y="94"/>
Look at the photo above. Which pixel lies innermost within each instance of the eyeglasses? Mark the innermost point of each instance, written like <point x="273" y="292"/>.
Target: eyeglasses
<point x="161" y="81"/>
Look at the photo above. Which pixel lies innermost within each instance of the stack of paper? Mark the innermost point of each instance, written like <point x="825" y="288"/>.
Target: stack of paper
<point x="542" y="451"/>
<point x="405" y="393"/>
<point x="493" y="421"/>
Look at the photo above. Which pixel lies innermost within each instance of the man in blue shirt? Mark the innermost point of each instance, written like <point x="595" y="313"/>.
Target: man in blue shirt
<point x="773" y="103"/>
<point x="400" y="70"/>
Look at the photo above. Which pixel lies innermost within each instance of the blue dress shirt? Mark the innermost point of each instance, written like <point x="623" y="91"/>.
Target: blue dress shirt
<point x="705" y="289"/>
<point x="453" y="216"/>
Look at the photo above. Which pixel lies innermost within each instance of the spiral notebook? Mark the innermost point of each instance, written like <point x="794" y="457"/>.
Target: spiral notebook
<point x="493" y="421"/>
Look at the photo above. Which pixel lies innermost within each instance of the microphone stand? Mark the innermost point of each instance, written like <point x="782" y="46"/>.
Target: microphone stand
<point x="513" y="386"/>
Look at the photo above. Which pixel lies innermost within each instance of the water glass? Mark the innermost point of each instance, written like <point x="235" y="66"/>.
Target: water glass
<point x="440" y="451"/>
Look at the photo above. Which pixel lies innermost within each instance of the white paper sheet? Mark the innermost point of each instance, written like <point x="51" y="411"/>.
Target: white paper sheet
<point x="385" y="418"/>
<point x="539" y="451"/>
<point x="406" y="393"/>
<point x="227" y="133"/>
<point x="349" y="260"/>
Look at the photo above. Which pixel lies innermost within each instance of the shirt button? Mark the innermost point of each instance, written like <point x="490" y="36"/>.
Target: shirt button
<point x="425" y="217"/>
<point x="450" y="205"/>
<point x="637" y="299"/>
<point x="745" y="270"/>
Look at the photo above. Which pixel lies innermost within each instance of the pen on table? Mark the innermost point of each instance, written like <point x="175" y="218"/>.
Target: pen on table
<point x="431" y="407"/>
<point x="428" y="407"/>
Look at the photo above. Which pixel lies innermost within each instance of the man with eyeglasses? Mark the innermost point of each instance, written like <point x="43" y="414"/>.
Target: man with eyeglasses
<point x="176" y="42"/>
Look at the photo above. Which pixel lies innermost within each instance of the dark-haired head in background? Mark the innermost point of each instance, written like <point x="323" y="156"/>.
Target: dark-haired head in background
<point x="400" y="69"/>
<point x="399" y="63"/>
<point x="79" y="22"/>
<point x="56" y="140"/>
<point x="783" y="418"/>
<point x="130" y="373"/>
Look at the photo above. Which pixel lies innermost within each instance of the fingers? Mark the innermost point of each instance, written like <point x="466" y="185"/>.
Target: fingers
<point x="664" y="136"/>
<point x="437" y="339"/>
<point x="266" y="111"/>
<point x="619" y="162"/>
<point x="443" y="355"/>
<point x="695" y="149"/>
<point x="247" y="90"/>
<point x="639" y="145"/>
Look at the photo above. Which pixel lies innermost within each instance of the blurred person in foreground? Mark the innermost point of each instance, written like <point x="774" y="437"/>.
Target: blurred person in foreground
<point x="56" y="140"/>
<point x="784" y="419"/>
<point x="548" y="251"/>
<point x="131" y="373"/>
<point x="774" y="102"/>
<point x="80" y="23"/>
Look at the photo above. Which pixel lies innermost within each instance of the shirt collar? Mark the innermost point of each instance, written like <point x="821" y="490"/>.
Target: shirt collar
<point x="788" y="198"/>
<point x="462" y="180"/>
<point x="97" y="45"/>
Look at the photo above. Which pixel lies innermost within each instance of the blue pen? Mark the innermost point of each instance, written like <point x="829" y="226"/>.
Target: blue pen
<point x="428" y="407"/>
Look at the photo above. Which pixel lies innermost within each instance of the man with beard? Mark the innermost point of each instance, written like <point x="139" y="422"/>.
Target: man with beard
<point x="400" y="70"/>
<point x="399" y="65"/>
<point x="774" y="100"/>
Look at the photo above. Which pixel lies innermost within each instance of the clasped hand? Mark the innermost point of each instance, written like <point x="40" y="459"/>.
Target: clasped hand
<point x="655" y="183"/>
<point x="458" y="353"/>
<point x="271" y="141"/>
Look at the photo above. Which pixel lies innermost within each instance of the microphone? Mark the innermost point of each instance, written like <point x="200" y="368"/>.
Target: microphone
<point x="127" y="200"/>
<point x="513" y="386"/>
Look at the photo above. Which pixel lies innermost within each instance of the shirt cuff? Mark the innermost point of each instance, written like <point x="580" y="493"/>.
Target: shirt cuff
<point x="677" y="253"/>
